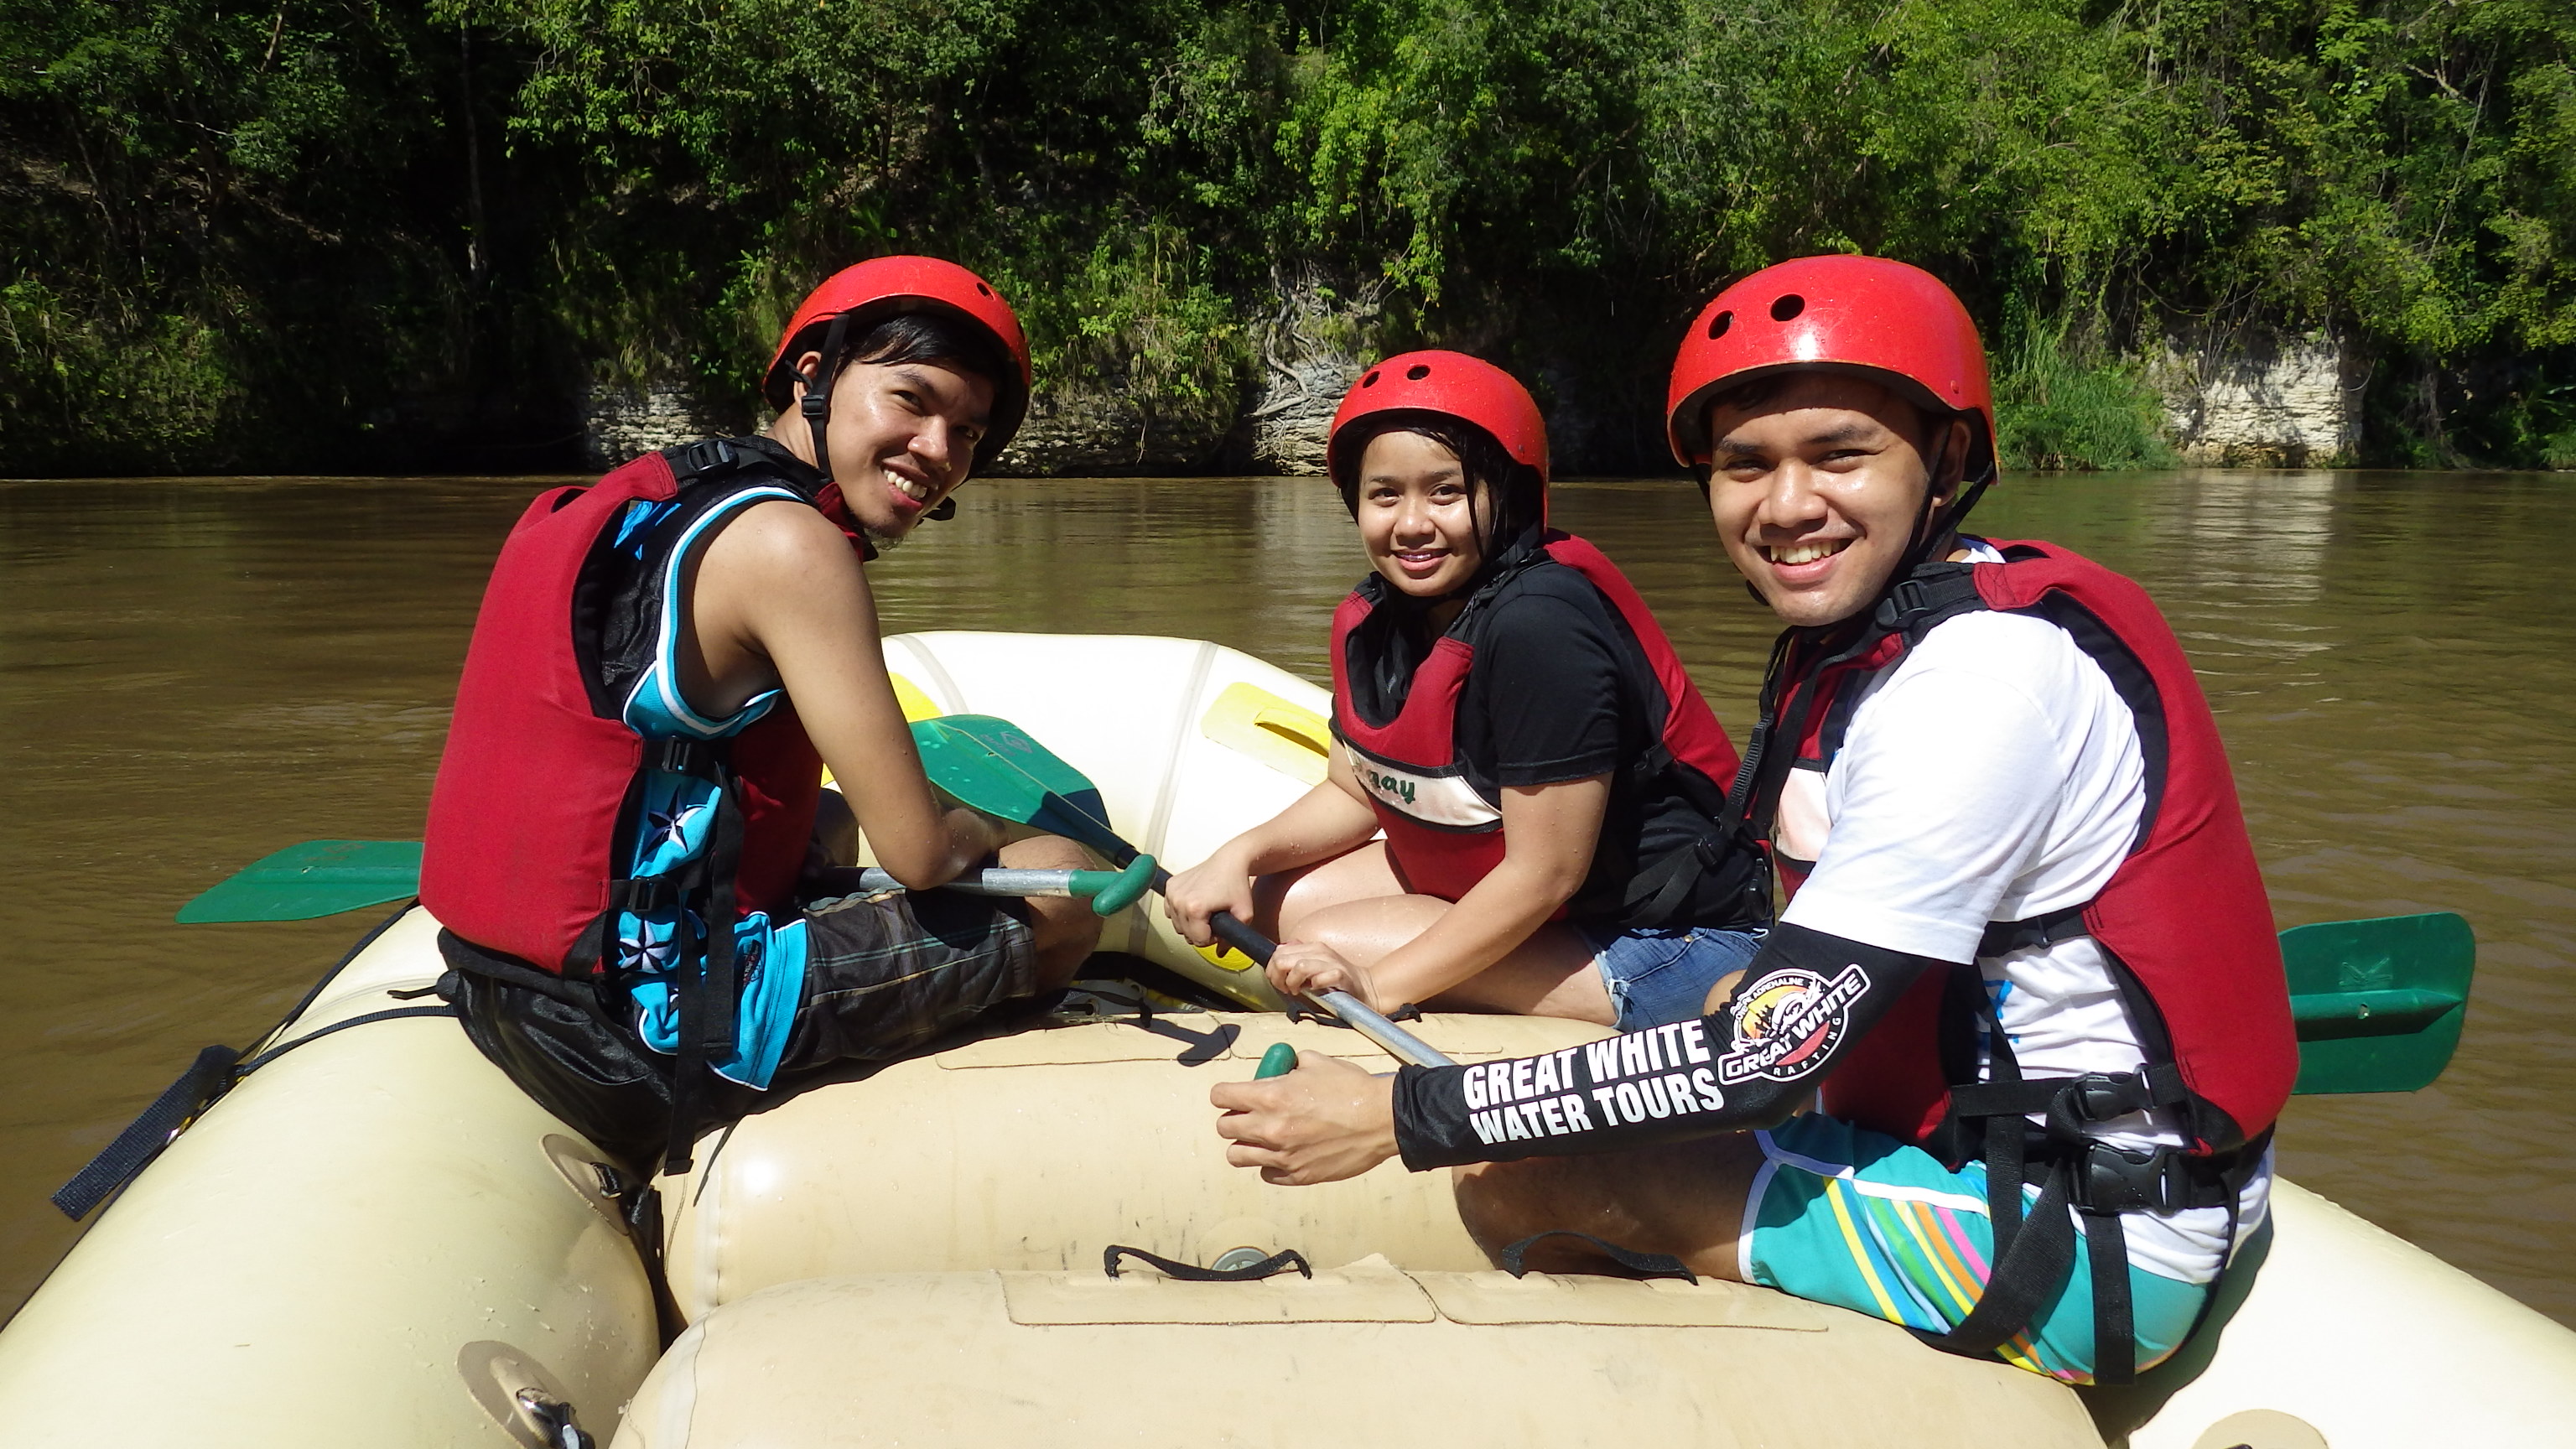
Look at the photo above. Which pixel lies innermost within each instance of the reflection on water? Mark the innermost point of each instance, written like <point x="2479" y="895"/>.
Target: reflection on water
<point x="194" y="674"/>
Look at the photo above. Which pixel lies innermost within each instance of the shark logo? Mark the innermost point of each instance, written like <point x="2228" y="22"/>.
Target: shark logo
<point x="1787" y="1024"/>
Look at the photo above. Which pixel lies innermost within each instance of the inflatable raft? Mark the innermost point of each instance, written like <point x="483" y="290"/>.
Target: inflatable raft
<point x="375" y="1239"/>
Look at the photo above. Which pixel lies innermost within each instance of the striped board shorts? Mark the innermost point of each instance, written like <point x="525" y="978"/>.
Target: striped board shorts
<point x="1843" y="1215"/>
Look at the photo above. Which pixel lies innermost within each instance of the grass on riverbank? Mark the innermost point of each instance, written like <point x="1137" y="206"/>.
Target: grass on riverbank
<point x="2057" y="410"/>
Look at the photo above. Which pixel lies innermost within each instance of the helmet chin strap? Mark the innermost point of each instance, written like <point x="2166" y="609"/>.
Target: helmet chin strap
<point x="1937" y="524"/>
<point x="817" y="404"/>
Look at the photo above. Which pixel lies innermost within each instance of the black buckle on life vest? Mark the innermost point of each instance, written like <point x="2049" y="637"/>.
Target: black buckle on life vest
<point x="1921" y="599"/>
<point x="683" y="756"/>
<point x="2102" y="1096"/>
<point x="2002" y="938"/>
<point x="2115" y="1180"/>
<point x="644" y="897"/>
<point x="698" y="459"/>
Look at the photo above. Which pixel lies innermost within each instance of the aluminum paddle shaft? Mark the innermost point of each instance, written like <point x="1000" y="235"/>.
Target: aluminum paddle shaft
<point x="1403" y="1045"/>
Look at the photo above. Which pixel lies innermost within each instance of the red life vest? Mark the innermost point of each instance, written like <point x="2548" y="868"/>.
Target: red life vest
<point x="524" y="821"/>
<point x="2184" y="918"/>
<point x="1443" y="834"/>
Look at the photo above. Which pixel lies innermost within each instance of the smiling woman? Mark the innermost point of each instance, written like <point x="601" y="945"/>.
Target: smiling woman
<point x="1509" y="716"/>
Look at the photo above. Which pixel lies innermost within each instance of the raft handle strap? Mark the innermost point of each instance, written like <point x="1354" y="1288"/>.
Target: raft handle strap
<point x="1644" y="1265"/>
<point x="144" y="1137"/>
<point x="1277" y="1263"/>
<point x="216" y="1071"/>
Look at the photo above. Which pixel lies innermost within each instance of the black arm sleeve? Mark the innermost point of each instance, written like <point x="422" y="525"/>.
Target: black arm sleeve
<point x="1805" y="998"/>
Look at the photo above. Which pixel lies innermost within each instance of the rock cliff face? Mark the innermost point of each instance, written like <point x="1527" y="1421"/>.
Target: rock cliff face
<point x="1107" y="434"/>
<point x="1292" y="412"/>
<point x="1311" y="349"/>
<point x="2233" y="400"/>
<point x="620" y="423"/>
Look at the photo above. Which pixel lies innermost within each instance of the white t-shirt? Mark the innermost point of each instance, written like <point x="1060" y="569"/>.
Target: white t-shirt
<point x="1993" y="775"/>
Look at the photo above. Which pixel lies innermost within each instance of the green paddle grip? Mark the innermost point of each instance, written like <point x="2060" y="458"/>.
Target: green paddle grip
<point x="1279" y="1061"/>
<point x="1112" y="891"/>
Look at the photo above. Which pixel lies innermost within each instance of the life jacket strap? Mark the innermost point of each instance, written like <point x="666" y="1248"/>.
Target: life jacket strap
<point x="2073" y="1102"/>
<point x="710" y="986"/>
<point x="2002" y="938"/>
<point x="2076" y="1173"/>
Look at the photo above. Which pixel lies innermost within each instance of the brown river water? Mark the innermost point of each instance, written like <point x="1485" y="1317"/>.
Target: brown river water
<point x="194" y="673"/>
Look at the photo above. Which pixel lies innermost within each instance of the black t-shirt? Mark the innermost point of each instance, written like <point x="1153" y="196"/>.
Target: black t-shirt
<point x="1561" y="690"/>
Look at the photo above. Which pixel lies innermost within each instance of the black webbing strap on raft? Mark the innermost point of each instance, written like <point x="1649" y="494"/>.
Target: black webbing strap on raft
<point x="213" y="1073"/>
<point x="1644" y="1265"/>
<point x="1277" y="1263"/>
<point x="216" y="1071"/>
<point x="142" y="1140"/>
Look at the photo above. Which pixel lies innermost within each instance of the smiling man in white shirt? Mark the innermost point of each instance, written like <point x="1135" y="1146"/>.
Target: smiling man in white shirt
<point x="2006" y="1071"/>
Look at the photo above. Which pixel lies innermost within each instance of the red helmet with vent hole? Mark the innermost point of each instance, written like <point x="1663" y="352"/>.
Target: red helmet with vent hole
<point x="1882" y="319"/>
<point x="1451" y="384"/>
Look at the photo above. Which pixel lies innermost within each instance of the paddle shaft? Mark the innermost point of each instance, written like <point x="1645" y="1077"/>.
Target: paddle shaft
<point x="1400" y="1044"/>
<point x="1003" y="881"/>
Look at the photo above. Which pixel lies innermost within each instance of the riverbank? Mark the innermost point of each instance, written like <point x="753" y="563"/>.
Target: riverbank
<point x="439" y="238"/>
<point x="2236" y="402"/>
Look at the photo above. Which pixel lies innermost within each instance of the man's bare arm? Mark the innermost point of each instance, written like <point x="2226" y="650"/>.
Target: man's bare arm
<point x="778" y="599"/>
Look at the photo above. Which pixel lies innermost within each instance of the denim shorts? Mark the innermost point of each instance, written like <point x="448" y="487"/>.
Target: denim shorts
<point x="1662" y="976"/>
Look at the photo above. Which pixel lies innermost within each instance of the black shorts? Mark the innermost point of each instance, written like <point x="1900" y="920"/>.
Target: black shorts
<point x="883" y="976"/>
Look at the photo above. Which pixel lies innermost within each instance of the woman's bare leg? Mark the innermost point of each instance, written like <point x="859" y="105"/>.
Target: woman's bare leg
<point x="1292" y="896"/>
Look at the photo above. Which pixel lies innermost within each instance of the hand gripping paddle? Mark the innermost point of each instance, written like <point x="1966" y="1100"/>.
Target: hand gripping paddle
<point x="992" y="765"/>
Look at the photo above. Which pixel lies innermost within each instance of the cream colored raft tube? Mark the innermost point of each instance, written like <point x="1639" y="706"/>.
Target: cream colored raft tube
<point x="1189" y="743"/>
<point x="1361" y="1356"/>
<point x="374" y="1240"/>
<point x="1031" y="1154"/>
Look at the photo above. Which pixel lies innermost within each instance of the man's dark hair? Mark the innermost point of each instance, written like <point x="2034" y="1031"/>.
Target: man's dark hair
<point x="934" y="336"/>
<point x="1932" y="423"/>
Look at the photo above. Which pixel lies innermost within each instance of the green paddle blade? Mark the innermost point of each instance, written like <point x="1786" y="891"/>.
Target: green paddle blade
<point x="992" y="765"/>
<point x="314" y="878"/>
<point x="2379" y="1004"/>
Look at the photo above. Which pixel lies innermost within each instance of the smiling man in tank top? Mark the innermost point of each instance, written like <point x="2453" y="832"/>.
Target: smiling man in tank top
<point x="622" y="841"/>
<point x="2006" y="1071"/>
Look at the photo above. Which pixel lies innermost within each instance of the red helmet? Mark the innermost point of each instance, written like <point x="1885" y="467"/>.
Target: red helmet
<point x="1833" y="314"/>
<point x="1451" y="384"/>
<point x="884" y="286"/>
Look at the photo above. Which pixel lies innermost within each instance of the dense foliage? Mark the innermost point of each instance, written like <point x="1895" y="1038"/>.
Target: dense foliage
<point x="308" y="232"/>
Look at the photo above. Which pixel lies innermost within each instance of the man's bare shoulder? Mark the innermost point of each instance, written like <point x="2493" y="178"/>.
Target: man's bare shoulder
<point x="780" y="537"/>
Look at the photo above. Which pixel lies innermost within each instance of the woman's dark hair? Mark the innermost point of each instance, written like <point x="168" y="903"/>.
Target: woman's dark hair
<point x="1511" y="489"/>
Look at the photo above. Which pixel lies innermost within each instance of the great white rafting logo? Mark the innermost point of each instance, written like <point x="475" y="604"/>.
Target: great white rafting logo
<point x="1787" y="1024"/>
